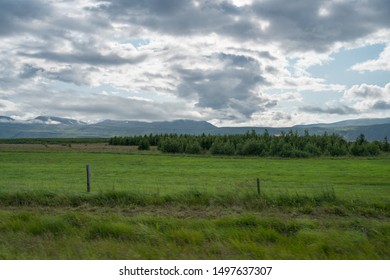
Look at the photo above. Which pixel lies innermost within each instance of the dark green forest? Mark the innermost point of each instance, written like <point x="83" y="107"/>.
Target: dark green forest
<point x="287" y="145"/>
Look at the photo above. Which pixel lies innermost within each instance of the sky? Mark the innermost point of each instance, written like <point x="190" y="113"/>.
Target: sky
<point x="228" y="62"/>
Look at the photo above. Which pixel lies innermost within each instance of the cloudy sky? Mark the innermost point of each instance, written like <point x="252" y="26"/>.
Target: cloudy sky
<point x="229" y="62"/>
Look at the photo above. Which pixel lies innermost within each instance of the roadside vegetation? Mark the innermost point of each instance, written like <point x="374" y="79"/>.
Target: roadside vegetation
<point x="76" y="234"/>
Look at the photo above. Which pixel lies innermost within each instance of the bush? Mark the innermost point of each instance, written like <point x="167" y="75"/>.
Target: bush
<point x="222" y="148"/>
<point x="312" y="149"/>
<point x="144" y="144"/>
<point x="385" y="145"/>
<point x="337" y="150"/>
<point x="358" y="150"/>
<point x="372" y="149"/>
<point x="171" y="145"/>
<point x="287" y="150"/>
<point x="193" y="148"/>
<point x="365" y="149"/>
<point x="253" y="147"/>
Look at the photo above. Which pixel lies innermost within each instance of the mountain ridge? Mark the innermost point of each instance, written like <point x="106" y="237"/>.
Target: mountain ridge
<point x="57" y="120"/>
<point x="56" y="127"/>
<point x="351" y="122"/>
<point x="6" y="119"/>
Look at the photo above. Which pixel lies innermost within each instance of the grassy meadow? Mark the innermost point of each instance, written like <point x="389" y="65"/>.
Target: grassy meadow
<point x="148" y="205"/>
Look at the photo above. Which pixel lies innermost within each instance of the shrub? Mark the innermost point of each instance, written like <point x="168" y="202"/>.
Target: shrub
<point x="385" y="145"/>
<point x="337" y="150"/>
<point x="372" y="149"/>
<point x="365" y="149"/>
<point x="253" y="147"/>
<point x="222" y="148"/>
<point x="171" y="145"/>
<point x="193" y="148"/>
<point x="312" y="149"/>
<point x="144" y="144"/>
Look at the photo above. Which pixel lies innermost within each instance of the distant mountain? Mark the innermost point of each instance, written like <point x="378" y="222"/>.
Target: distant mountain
<point x="6" y="119"/>
<point x="110" y="128"/>
<point x="56" y="120"/>
<point x="373" y="129"/>
<point x="349" y="123"/>
<point x="55" y="127"/>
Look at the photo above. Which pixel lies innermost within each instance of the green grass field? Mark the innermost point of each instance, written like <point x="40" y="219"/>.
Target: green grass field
<point x="146" y="205"/>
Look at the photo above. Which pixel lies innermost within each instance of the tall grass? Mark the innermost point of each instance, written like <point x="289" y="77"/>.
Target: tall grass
<point x="325" y="200"/>
<point x="75" y="235"/>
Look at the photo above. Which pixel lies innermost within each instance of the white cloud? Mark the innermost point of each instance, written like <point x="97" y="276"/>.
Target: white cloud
<point x="380" y="64"/>
<point x="8" y="107"/>
<point x="368" y="98"/>
<point x="365" y="91"/>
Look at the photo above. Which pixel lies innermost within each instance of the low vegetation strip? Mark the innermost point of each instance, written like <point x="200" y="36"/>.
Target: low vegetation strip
<point x="98" y="235"/>
<point x="325" y="201"/>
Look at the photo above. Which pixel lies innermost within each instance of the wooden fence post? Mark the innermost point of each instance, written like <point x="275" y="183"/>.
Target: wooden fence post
<point x="88" y="178"/>
<point x="258" y="185"/>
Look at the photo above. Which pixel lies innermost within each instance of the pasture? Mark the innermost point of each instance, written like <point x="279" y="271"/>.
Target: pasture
<point x="148" y="205"/>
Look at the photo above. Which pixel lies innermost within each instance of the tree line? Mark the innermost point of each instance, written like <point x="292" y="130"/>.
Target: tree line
<point x="253" y="144"/>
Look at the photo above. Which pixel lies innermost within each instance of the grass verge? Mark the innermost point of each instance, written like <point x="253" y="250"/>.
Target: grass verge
<point x="89" y="235"/>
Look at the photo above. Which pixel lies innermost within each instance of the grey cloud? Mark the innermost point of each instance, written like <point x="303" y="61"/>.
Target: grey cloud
<point x="111" y="107"/>
<point x="16" y="15"/>
<point x="232" y="87"/>
<point x="229" y="8"/>
<point x="88" y="24"/>
<point x="45" y="100"/>
<point x="234" y="60"/>
<point x="70" y="75"/>
<point x="85" y="58"/>
<point x="381" y="105"/>
<point x="299" y="24"/>
<point x="152" y="7"/>
<point x="339" y="110"/>
<point x="8" y="74"/>
<point x="266" y="54"/>
<point x="180" y="17"/>
<point x="270" y="103"/>
<point x="73" y="75"/>
<point x="260" y="54"/>
<point x="104" y="106"/>
<point x="271" y="69"/>
<point x="277" y="116"/>
<point x="295" y="25"/>
<point x="242" y="29"/>
<point x="30" y="71"/>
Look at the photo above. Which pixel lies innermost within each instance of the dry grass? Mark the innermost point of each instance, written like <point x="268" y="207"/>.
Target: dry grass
<point x="90" y="147"/>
